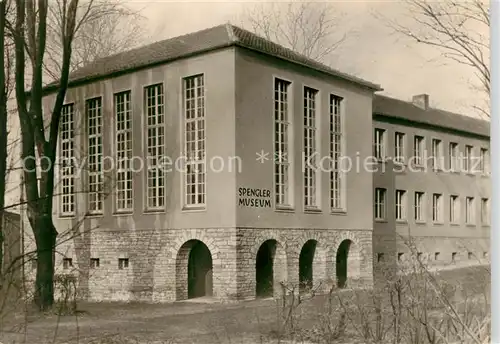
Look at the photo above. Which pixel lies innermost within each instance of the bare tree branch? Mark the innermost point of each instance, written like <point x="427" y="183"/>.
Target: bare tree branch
<point x="312" y="29"/>
<point x="458" y="29"/>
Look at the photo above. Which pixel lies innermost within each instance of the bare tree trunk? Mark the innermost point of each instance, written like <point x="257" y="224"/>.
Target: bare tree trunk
<point x="3" y="131"/>
<point x="44" y="283"/>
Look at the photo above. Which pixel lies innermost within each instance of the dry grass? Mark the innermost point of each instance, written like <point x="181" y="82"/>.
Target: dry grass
<point x="187" y="322"/>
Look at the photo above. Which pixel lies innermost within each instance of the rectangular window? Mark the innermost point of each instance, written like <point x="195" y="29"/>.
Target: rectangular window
<point x="380" y="257"/>
<point x="437" y="207"/>
<point x="155" y="145"/>
<point x="399" y="147"/>
<point x="123" y="143"/>
<point x="468" y="159"/>
<point x="282" y="144"/>
<point x="418" y="150"/>
<point x="454" y="209"/>
<point x="484" y="160"/>
<point x="310" y="147"/>
<point x="437" y="154"/>
<point x="67" y="134"/>
<point x="379" y="150"/>
<point x="94" y="263"/>
<point x="453" y="156"/>
<point x="122" y="263"/>
<point x="380" y="201"/>
<point x="485" y="211"/>
<point x="67" y="263"/>
<point x="93" y="110"/>
<point x="400" y="205"/>
<point x="469" y="210"/>
<point x="337" y="176"/>
<point x="155" y="116"/>
<point x="419" y="213"/>
<point x="195" y="142"/>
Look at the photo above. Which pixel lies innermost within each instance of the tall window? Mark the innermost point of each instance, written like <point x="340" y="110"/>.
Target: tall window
<point x="469" y="210"/>
<point x="336" y="145"/>
<point x="419" y="210"/>
<point x="93" y="110"/>
<point x="485" y="211"/>
<point x="379" y="144"/>
<point x="453" y="156"/>
<point x="468" y="159"/>
<point x="437" y="154"/>
<point x="310" y="137"/>
<point x="400" y="205"/>
<point x="282" y="135"/>
<point x="67" y="134"/>
<point x="454" y="209"/>
<point x="123" y="143"/>
<point x="380" y="201"/>
<point x="195" y="141"/>
<point x="153" y="99"/>
<point x="437" y="207"/>
<point x="399" y="147"/>
<point x="418" y="150"/>
<point x="484" y="160"/>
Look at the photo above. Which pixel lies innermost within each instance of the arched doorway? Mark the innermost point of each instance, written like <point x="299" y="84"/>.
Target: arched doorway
<point x="264" y="269"/>
<point x="341" y="263"/>
<point x="306" y="260"/>
<point x="194" y="270"/>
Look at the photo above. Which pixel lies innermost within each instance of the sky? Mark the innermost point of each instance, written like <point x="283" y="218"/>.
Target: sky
<point x="373" y="52"/>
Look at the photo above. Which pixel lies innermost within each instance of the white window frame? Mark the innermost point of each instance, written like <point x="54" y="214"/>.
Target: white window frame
<point x="437" y="154"/>
<point x="453" y="156"/>
<point x="484" y="156"/>
<point x="468" y="154"/>
<point x="95" y="177"/>
<point x="124" y="195"/>
<point x="67" y="153"/>
<point x="379" y="144"/>
<point x="155" y="146"/>
<point x="418" y="150"/>
<point x="469" y="211"/>
<point x="401" y="202"/>
<point x="485" y="211"/>
<point x="311" y="109"/>
<point x="194" y="136"/>
<point x="419" y="206"/>
<point x="380" y="204"/>
<point x="283" y="143"/>
<point x="454" y="209"/>
<point x="337" y="148"/>
<point x="399" y="147"/>
<point x="437" y="208"/>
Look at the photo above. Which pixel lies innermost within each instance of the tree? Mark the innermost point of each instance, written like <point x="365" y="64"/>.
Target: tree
<point x="35" y="23"/>
<point x="312" y="29"/>
<point x="458" y="29"/>
<point x="104" y="35"/>
<point x="3" y="123"/>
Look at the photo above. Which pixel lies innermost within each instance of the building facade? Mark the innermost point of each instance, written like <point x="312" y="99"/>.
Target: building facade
<point x="431" y="186"/>
<point x="196" y="172"/>
<point x="214" y="164"/>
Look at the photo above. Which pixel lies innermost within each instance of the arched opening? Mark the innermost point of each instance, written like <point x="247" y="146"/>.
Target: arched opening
<point x="306" y="260"/>
<point x="264" y="269"/>
<point x="194" y="270"/>
<point x="341" y="263"/>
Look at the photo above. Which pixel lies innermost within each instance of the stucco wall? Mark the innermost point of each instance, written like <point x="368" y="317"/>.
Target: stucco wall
<point x="255" y="133"/>
<point x="429" y="237"/>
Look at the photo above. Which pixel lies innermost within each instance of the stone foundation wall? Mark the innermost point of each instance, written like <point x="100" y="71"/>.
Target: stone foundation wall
<point x="436" y="252"/>
<point x="158" y="261"/>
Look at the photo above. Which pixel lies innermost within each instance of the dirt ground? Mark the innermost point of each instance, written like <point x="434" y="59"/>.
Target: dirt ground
<point x="194" y="321"/>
